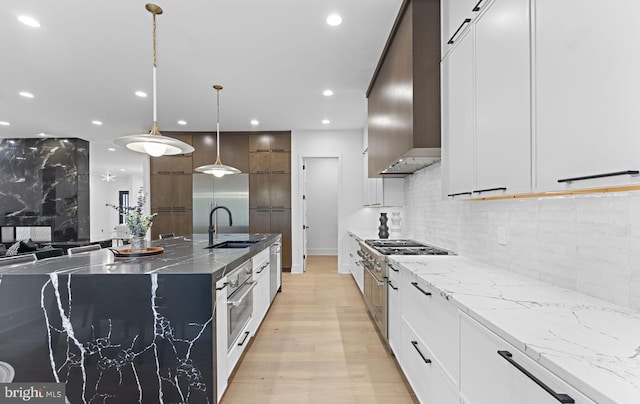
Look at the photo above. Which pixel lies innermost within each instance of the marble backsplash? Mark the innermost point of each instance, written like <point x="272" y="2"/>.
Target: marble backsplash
<point x="45" y="182"/>
<point x="587" y="243"/>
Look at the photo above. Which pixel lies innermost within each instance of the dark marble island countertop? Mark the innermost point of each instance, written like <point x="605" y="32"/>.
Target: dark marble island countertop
<point x="182" y="255"/>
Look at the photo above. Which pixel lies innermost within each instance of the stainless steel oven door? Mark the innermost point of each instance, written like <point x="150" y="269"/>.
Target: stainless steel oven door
<point x="377" y="299"/>
<point x="239" y="311"/>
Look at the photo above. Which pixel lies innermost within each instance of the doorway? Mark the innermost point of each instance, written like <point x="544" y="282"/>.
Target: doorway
<point x="320" y="189"/>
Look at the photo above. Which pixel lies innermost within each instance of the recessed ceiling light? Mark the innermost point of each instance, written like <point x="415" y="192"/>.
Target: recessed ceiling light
<point x="255" y="122"/>
<point x="97" y="123"/>
<point x="141" y="94"/>
<point x="122" y="169"/>
<point x="3" y="123"/>
<point x="327" y="93"/>
<point x="43" y="134"/>
<point x="334" y="20"/>
<point x="181" y="122"/>
<point x="111" y="149"/>
<point x="29" y="21"/>
<point x="26" y="94"/>
<point x="326" y="121"/>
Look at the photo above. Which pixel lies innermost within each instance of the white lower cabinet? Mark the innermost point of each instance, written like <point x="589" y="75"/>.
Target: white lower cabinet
<point x="394" y="325"/>
<point x="353" y="261"/>
<point x="492" y="371"/>
<point x="429" y="382"/>
<point x="221" y="337"/>
<point x="434" y="319"/>
<point x="261" y="295"/>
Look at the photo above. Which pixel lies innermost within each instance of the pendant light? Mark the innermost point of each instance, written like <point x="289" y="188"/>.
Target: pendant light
<point x="218" y="169"/>
<point x="154" y="143"/>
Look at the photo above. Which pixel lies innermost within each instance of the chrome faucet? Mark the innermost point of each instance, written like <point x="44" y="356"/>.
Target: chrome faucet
<point x="211" y="228"/>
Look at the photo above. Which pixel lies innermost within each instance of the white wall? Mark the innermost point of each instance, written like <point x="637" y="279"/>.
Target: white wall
<point x="347" y="146"/>
<point x="587" y="243"/>
<point x="321" y="191"/>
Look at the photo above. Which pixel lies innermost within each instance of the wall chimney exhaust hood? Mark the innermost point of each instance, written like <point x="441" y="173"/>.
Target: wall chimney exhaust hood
<point x="403" y="98"/>
<point x="412" y="161"/>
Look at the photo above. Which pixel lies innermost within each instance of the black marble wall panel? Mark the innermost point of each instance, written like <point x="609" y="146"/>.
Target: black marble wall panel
<point x="111" y="338"/>
<point x="45" y="181"/>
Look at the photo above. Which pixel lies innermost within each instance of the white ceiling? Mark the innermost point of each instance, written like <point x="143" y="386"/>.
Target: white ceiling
<point x="273" y="57"/>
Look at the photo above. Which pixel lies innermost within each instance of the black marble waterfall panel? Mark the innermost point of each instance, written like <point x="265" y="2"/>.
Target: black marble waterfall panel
<point x="111" y="338"/>
<point x="45" y="181"/>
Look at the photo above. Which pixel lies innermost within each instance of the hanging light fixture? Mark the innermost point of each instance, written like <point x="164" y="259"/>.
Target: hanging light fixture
<point x="218" y="169"/>
<point x="154" y="143"/>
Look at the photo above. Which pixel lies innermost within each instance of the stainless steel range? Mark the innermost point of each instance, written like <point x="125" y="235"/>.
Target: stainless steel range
<point x="373" y="257"/>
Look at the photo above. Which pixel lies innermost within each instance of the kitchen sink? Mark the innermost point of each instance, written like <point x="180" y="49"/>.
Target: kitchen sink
<point x="234" y="244"/>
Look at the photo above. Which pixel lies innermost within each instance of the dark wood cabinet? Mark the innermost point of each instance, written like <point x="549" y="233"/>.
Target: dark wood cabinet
<point x="171" y="193"/>
<point x="270" y="142"/>
<point x="281" y="223"/>
<point x="406" y="87"/>
<point x="233" y="149"/>
<point x="270" y="187"/>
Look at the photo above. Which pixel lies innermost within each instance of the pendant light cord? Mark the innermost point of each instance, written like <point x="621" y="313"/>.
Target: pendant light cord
<point x="218" y="124"/>
<point x="155" y="105"/>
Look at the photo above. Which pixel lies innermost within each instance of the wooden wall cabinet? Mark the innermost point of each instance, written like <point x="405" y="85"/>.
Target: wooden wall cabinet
<point x="404" y="94"/>
<point x="270" y="187"/>
<point x="233" y="149"/>
<point x="171" y="193"/>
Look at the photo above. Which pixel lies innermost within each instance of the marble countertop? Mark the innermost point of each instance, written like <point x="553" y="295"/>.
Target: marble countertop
<point x="592" y="344"/>
<point x="182" y="255"/>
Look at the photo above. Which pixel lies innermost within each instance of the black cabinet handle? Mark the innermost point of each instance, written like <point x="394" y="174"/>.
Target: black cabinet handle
<point x="224" y="285"/>
<point x="466" y="21"/>
<point x="278" y="172"/>
<point x="262" y="172"/>
<point x="561" y="397"/>
<point x="262" y="150"/>
<point x="246" y="335"/>
<point x="420" y="289"/>
<point x="460" y="193"/>
<point x="477" y="6"/>
<point x="479" y="191"/>
<point x="263" y="267"/>
<point x="393" y="269"/>
<point x="590" y="177"/>
<point x="278" y="150"/>
<point x="415" y="345"/>
<point x="391" y="284"/>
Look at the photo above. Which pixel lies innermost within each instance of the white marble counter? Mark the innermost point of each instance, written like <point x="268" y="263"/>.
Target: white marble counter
<point x="591" y="344"/>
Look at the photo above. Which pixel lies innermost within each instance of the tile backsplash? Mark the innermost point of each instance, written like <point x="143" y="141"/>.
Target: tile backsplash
<point x="587" y="243"/>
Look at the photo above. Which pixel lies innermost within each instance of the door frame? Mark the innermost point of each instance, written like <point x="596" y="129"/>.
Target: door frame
<point x="301" y="176"/>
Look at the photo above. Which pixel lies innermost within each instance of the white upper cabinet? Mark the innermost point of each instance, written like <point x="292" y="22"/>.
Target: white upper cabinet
<point x="587" y="92"/>
<point x="503" y="98"/>
<point x="486" y="103"/>
<point x="455" y="18"/>
<point x="458" y="124"/>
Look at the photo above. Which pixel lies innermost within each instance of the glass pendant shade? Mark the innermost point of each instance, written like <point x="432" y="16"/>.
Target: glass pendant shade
<point x="218" y="169"/>
<point x="154" y="143"/>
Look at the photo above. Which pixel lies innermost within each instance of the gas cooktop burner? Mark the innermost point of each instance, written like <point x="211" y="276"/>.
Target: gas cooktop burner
<point x="405" y="247"/>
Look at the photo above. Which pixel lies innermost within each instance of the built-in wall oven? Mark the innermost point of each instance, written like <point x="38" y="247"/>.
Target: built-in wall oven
<point x="239" y="301"/>
<point x="373" y="257"/>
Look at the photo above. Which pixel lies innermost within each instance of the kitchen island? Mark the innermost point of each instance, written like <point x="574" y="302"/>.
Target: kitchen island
<point x="120" y="330"/>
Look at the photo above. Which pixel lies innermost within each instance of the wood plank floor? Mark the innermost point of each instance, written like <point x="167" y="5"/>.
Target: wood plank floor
<point x="317" y="344"/>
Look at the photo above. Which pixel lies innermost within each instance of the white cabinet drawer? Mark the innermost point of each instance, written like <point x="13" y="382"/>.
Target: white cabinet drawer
<point x="492" y="371"/>
<point x="426" y="377"/>
<point x="435" y="320"/>
<point x="394" y="325"/>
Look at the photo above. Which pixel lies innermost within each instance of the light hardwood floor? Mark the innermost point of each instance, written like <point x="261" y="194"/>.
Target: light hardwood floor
<point x="317" y="344"/>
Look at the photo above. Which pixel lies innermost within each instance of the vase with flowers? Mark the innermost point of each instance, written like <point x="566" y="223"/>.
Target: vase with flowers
<point x="136" y="220"/>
